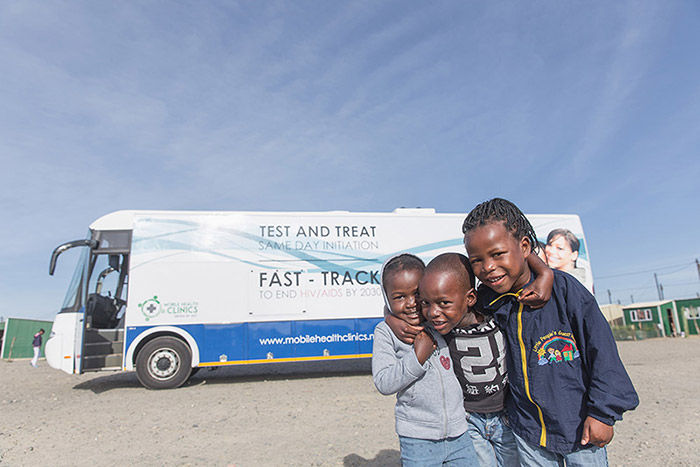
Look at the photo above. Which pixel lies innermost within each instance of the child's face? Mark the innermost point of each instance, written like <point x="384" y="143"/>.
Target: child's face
<point x="445" y="303"/>
<point x="498" y="259"/>
<point x="402" y="292"/>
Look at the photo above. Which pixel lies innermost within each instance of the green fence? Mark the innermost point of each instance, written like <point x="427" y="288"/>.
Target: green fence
<point x="18" y="334"/>
<point x="633" y="333"/>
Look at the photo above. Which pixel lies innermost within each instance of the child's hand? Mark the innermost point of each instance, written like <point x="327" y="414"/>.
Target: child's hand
<point x="596" y="432"/>
<point x="537" y="294"/>
<point x="423" y="345"/>
<point x="401" y="329"/>
<point x="534" y="296"/>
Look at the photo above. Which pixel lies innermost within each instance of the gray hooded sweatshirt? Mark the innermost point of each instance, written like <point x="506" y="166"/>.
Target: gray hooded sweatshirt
<point x="429" y="401"/>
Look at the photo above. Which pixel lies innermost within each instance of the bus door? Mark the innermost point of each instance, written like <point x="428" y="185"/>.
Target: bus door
<point x="102" y="344"/>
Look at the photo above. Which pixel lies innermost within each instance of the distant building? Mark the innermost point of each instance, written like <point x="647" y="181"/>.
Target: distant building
<point x="669" y="317"/>
<point x="16" y="337"/>
<point x="613" y="313"/>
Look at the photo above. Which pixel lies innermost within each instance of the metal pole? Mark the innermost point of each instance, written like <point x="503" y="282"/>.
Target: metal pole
<point x="631" y="298"/>
<point x="658" y="290"/>
<point x="12" y="346"/>
<point x="609" y="297"/>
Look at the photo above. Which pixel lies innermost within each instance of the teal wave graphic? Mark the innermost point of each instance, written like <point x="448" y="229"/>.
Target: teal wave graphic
<point x="192" y="236"/>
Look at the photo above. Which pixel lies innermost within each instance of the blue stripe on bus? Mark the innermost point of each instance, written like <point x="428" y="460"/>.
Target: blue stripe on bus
<point x="276" y="339"/>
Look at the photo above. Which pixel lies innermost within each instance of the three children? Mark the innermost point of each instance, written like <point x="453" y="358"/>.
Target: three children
<point x="567" y="383"/>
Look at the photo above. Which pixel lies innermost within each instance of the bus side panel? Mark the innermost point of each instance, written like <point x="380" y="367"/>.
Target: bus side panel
<point x="270" y="337"/>
<point x="276" y="341"/>
<point x="366" y="327"/>
<point x="223" y="342"/>
<point x="332" y="337"/>
<point x="317" y="339"/>
<point x="215" y="342"/>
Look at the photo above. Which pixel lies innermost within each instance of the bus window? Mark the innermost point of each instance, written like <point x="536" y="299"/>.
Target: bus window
<point x="74" y="296"/>
<point x="105" y="291"/>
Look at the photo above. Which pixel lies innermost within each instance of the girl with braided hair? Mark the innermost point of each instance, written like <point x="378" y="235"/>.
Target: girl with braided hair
<point x="561" y="410"/>
<point x="503" y="212"/>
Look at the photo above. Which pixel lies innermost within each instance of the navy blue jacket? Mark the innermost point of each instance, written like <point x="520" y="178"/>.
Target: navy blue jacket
<point x="36" y="342"/>
<point x="563" y="365"/>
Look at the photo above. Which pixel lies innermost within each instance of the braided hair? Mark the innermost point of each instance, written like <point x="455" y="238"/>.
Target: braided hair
<point x="501" y="210"/>
<point x="402" y="262"/>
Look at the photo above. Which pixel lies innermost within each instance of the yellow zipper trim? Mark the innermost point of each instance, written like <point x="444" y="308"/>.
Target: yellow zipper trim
<point x="516" y="295"/>
<point x="523" y="358"/>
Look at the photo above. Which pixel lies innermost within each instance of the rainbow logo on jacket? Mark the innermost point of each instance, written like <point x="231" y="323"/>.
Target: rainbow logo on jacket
<point x="556" y="347"/>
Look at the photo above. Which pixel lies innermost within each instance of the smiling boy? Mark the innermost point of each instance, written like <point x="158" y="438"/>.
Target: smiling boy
<point x="477" y="348"/>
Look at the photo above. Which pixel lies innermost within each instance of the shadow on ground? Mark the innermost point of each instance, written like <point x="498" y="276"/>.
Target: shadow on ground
<point x="239" y="374"/>
<point x="109" y="381"/>
<point x="385" y="458"/>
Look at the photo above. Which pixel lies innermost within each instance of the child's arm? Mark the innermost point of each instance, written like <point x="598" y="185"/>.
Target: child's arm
<point x="390" y="372"/>
<point x="610" y="390"/>
<point x="539" y="292"/>
<point x="424" y="345"/>
<point x="404" y="331"/>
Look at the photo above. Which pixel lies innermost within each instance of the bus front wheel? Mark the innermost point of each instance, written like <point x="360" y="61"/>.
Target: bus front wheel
<point x="164" y="363"/>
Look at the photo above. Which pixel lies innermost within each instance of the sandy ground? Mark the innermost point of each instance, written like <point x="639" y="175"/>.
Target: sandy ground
<point x="316" y="414"/>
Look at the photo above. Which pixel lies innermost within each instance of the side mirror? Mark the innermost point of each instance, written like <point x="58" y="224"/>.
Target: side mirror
<point x="114" y="262"/>
<point x="66" y="246"/>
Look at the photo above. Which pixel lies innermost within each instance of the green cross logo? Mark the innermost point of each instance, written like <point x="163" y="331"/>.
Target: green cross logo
<point x="150" y="308"/>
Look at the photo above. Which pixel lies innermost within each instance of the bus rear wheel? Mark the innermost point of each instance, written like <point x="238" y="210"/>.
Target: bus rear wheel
<point x="164" y="363"/>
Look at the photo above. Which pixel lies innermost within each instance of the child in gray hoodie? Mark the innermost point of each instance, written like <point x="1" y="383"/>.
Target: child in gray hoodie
<point x="430" y="417"/>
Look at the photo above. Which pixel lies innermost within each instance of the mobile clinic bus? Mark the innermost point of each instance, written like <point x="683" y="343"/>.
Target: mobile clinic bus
<point x="164" y="293"/>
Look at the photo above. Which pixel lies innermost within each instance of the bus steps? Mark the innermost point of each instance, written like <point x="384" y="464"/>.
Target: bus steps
<point x="103" y="349"/>
<point x="102" y="362"/>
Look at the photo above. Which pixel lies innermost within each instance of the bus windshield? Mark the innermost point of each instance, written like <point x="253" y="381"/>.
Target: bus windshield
<point x="73" y="299"/>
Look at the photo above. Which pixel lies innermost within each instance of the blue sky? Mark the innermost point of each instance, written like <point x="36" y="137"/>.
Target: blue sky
<point x="590" y="108"/>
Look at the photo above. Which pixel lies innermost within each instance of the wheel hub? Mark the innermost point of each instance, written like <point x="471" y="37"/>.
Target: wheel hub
<point x="163" y="363"/>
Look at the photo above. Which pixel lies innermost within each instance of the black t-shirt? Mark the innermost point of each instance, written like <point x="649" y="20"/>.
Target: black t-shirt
<point x="479" y="356"/>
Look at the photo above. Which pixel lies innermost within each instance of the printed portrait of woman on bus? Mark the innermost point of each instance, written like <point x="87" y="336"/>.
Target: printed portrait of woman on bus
<point x="562" y="252"/>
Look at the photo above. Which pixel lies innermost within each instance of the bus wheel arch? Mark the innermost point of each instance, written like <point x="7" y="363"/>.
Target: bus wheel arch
<point x="143" y="338"/>
<point x="164" y="362"/>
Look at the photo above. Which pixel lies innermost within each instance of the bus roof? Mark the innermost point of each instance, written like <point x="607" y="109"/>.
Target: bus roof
<point x="124" y="220"/>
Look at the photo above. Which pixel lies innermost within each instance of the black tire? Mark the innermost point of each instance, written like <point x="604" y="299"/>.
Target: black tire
<point x="164" y="363"/>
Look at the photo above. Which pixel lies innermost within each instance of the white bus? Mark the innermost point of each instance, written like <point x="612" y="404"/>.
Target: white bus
<point x="167" y="292"/>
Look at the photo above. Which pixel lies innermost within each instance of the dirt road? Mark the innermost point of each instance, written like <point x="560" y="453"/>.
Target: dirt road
<point x="276" y="415"/>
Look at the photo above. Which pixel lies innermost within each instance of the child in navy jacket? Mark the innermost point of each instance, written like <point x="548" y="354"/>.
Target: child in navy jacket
<point x="568" y="385"/>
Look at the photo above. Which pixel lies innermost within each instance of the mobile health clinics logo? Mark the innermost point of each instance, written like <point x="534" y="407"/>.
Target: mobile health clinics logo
<point x="150" y="308"/>
<point x="153" y="307"/>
